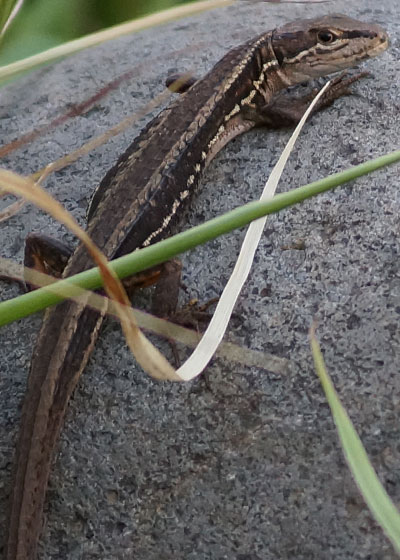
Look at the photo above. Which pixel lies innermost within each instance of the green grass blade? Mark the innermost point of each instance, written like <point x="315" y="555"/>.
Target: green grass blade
<point x="374" y="494"/>
<point x="32" y="302"/>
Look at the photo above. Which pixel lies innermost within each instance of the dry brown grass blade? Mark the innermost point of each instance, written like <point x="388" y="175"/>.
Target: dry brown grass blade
<point x="61" y="163"/>
<point x="151" y="360"/>
<point x="80" y="108"/>
<point x="70" y="158"/>
<point x="11" y="210"/>
<point x="11" y="271"/>
<point x="76" y="110"/>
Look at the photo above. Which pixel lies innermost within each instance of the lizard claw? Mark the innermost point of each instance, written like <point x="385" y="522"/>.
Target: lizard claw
<point x="340" y="86"/>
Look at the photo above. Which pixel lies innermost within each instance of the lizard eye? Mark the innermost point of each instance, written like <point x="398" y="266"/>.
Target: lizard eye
<point x="325" y="37"/>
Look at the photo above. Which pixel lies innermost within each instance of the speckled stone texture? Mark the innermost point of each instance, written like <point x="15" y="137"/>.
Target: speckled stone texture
<point x="241" y="463"/>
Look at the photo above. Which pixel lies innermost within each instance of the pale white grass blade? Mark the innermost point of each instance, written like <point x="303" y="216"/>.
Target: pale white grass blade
<point x="9" y="10"/>
<point x="114" y="32"/>
<point x="212" y="337"/>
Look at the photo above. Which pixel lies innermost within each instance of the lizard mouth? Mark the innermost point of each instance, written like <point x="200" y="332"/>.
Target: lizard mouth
<point x="381" y="46"/>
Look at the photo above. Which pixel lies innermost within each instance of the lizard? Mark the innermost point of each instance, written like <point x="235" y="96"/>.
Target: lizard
<point x="142" y="197"/>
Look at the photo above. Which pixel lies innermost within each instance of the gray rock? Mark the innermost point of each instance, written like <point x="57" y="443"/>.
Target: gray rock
<point x="239" y="463"/>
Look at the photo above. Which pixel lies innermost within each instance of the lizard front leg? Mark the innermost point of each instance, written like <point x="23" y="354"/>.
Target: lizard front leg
<point x="45" y="254"/>
<point x="285" y="110"/>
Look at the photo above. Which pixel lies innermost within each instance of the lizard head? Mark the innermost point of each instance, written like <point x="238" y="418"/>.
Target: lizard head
<point x="311" y="48"/>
